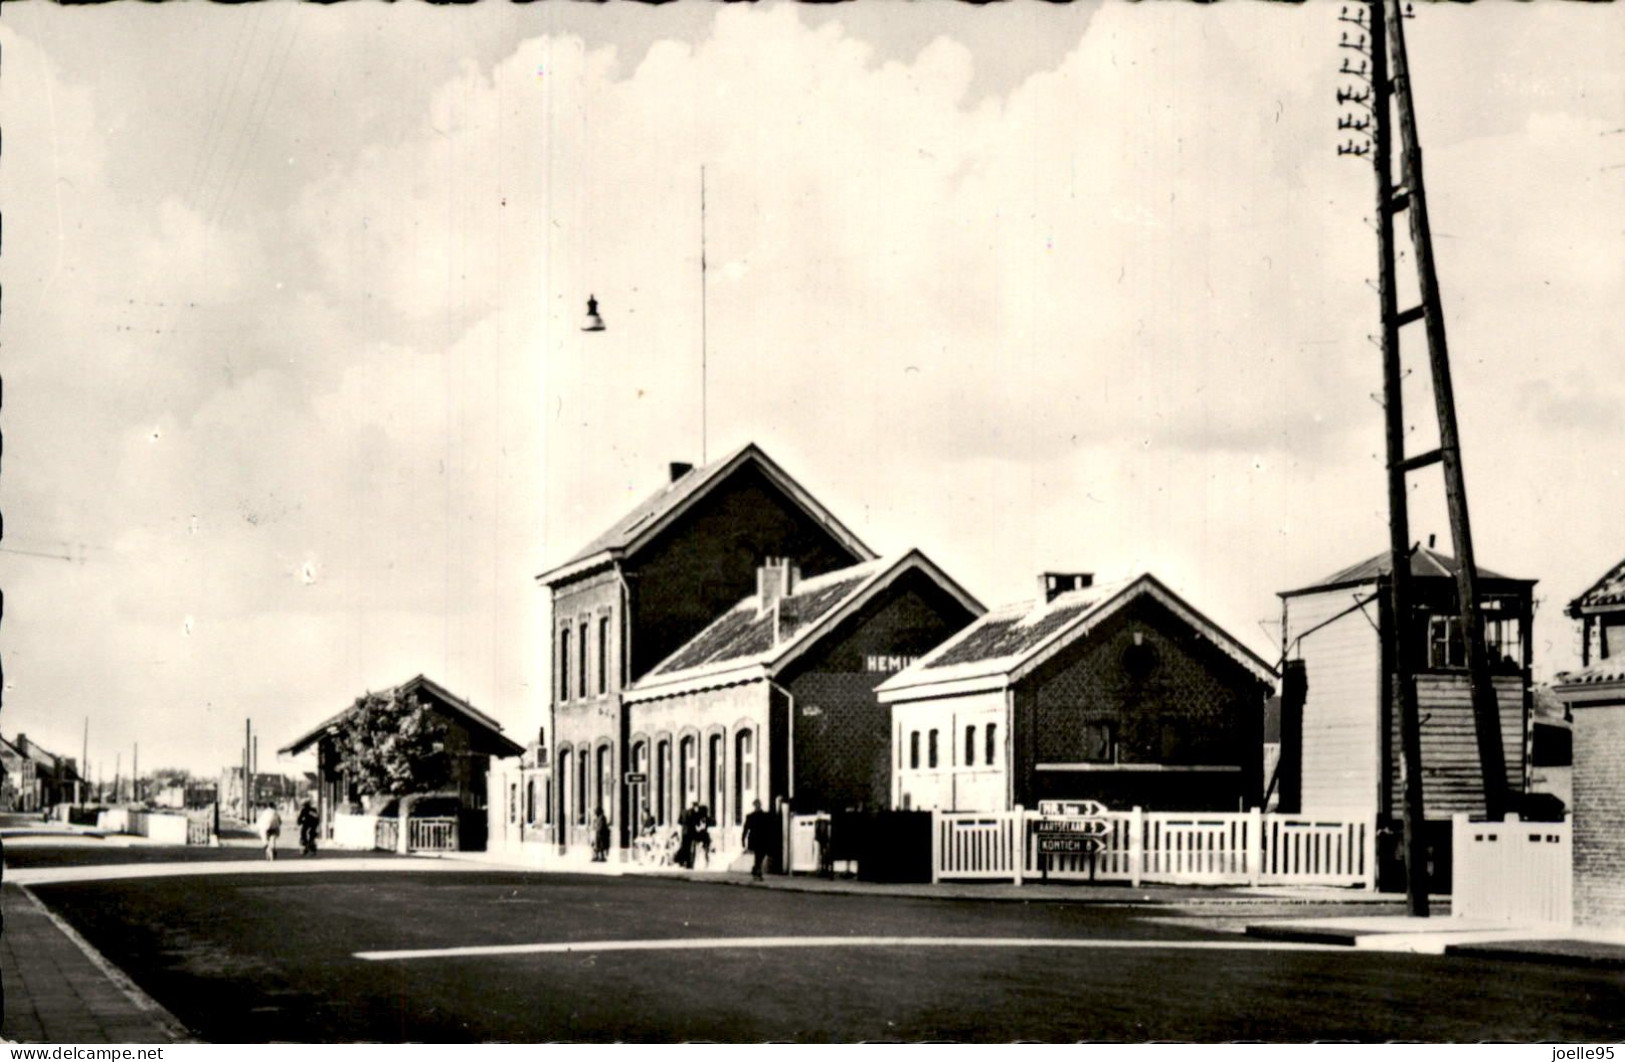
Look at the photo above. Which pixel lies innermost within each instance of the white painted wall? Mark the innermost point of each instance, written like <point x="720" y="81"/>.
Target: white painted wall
<point x="1342" y="715"/>
<point x="955" y="784"/>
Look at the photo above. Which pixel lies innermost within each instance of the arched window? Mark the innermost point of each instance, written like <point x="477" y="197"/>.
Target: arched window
<point x="639" y="791"/>
<point x="744" y="773"/>
<point x="970" y="746"/>
<point x="932" y="750"/>
<point x="914" y="750"/>
<point x="992" y="745"/>
<point x="530" y="802"/>
<point x="663" y="783"/>
<point x="689" y="754"/>
<point x="563" y="775"/>
<point x="606" y="782"/>
<point x="714" y="780"/>
<point x="583" y="790"/>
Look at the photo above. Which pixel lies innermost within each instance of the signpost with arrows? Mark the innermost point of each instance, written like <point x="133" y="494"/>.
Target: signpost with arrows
<point x="1073" y="828"/>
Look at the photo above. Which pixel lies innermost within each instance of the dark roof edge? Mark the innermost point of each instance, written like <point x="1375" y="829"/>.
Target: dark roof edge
<point x="792" y="488"/>
<point x="451" y="700"/>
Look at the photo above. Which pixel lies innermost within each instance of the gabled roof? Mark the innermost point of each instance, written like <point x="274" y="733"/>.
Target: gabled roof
<point x="1603" y="681"/>
<point x="748" y="643"/>
<point x="478" y="722"/>
<point x="1426" y="563"/>
<point x="1005" y="645"/>
<point x="634" y="530"/>
<point x="1606" y="594"/>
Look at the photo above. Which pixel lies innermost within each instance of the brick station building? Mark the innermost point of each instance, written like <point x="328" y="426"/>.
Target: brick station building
<point x="1121" y="693"/>
<point x="636" y="594"/>
<point x="775" y="701"/>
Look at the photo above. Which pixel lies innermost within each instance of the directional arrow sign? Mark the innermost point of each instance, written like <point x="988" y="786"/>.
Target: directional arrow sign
<point x="1073" y="809"/>
<point x="1068" y="845"/>
<point x="1081" y="827"/>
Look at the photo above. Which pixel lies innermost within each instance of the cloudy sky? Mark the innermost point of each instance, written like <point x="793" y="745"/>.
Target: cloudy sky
<point x="297" y="404"/>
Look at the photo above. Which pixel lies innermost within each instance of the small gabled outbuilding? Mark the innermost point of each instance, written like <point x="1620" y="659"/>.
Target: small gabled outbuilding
<point x="472" y="740"/>
<point x="1119" y="692"/>
<point x="775" y="699"/>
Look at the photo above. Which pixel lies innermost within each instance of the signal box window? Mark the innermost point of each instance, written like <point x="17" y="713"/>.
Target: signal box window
<point x="1097" y="743"/>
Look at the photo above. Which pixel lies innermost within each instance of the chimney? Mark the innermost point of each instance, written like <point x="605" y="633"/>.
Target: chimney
<point x="1053" y="584"/>
<point x="679" y="469"/>
<point x="776" y="579"/>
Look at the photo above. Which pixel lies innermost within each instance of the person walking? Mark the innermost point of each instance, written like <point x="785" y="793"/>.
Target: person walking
<point x="702" y="831"/>
<point x="758" y="837"/>
<point x="271" y="827"/>
<point x="308" y="820"/>
<point x="685" y="847"/>
<point x="600" y="836"/>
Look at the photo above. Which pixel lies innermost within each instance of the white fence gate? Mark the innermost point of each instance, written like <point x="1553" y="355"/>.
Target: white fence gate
<point x="1512" y="871"/>
<point x="803" y="846"/>
<point x="1243" y="848"/>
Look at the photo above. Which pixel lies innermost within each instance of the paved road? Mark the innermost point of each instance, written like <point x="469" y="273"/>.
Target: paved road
<point x="262" y="957"/>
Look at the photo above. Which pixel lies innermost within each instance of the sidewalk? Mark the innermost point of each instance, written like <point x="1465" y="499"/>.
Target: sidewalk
<point x="59" y="990"/>
<point x="1566" y="945"/>
<point x="535" y="858"/>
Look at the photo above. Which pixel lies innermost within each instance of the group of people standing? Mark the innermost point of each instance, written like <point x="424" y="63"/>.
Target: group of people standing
<point x="761" y="837"/>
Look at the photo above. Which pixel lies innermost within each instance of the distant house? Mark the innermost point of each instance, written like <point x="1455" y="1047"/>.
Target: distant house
<point x="19" y="790"/>
<point x="1119" y="692"/>
<point x="775" y="699"/>
<point x="54" y="779"/>
<point x="473" y="739"/>
<point x="641" y="590"/>
<point x="1595" y="696"/>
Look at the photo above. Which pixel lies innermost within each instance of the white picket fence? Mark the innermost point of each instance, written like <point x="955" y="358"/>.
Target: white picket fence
<point x="1242" y="848"/>
<point x="1512" y="871"/>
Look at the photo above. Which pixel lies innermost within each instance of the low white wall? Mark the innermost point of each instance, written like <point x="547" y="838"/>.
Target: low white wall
<point x="359" y="832"/>
<point x="165" y="829"/>
<point x="113" y="820"/>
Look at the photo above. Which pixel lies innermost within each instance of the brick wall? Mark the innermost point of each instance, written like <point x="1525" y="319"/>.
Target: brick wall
<point x="1599" y="808"/>
<point x="1170" y="698"/>
<point x="842" y="734"/>
<point x="706" y="562"/>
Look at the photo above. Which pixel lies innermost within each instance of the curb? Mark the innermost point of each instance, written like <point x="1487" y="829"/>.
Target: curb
<point x="156" y="1012"/>
<point x="782" y="884"/>
<point x="1503" y="953"/>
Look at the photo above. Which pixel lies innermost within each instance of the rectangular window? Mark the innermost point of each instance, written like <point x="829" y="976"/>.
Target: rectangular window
<point x="992" y="745"/>
<point x="970" y="746"/>
<point x="1097" y="743"/>
<point x="914" y="750"/>
<point x="564" y="664"/>
<point x="581" y="654"/>
<point x="1503" y="635"/>
<point x="603" y="655"/>
<point x="1445" y="647"/>
<point x="932" y="750"/>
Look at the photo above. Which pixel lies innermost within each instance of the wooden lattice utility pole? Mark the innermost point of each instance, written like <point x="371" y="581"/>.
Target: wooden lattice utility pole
<point x="1380" y="37"/>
